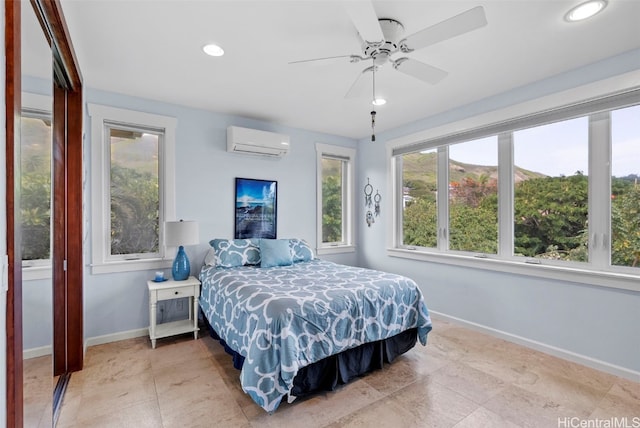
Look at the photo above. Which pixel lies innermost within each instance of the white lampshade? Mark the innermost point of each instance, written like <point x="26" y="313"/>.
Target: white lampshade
<point x="181" y="233"/>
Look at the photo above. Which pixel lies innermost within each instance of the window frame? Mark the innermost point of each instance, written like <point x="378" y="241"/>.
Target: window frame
<point x="101" y="259"/>
<point x="38" y="269"/>
<point x="598" y="270"/>
<point x="348" y="155"/>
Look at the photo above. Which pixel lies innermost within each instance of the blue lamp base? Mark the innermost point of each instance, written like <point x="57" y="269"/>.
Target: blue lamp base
<point x="181" y="268"/>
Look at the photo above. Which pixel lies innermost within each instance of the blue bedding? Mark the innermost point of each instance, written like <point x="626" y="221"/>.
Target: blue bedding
<point x="284" y="318"/>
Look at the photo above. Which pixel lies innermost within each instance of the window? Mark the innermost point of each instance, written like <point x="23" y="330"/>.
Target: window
<point x="554" y="194"/>
<point x="335" y="185"/>
<point x="625" y="187"/>
<point x="419" y="198"/>
<point x="132" y="188"/>
<point x="551" y="190"/>
<point x="473" y="196"/>
<point x="468" y="178"/>
<point x="333" y="172"/>
<point x="35" y="185"/>
<point x="35" y="198"/>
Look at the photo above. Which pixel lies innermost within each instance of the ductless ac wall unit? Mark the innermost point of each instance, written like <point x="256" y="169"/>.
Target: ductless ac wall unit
<point x="255" y="142"/>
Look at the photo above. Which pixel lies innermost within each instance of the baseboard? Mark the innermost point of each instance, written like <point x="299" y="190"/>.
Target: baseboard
<point x="91" y="341"/>
<point x="533" y="344"/>
<point x="115" y="337"/>
<point x="547" y="349"/>
<point x="36" y="352"/>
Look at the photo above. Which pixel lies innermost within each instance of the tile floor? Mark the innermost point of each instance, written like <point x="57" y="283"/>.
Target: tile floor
<point x="462" y="378"/>
<point x="38" y="385"/>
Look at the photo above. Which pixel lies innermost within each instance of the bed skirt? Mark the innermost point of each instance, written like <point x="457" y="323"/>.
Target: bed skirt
<point x="328" y="373"/>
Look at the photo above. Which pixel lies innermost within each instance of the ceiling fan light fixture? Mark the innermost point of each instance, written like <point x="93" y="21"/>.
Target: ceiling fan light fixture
<point x="585" y="10"/>
<point x="213" y="50"/>
<point x="379" y="102"/>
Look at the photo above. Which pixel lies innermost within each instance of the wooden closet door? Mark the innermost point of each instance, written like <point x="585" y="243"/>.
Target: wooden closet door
<point x="13" y="107"/>
<point x="67" y="232"/>
<point x="68" y="217"/>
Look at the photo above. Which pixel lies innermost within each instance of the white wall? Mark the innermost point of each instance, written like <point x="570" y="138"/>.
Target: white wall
<point x="37" y="316"/>
<point x="116" y="303"/>
<point x="593" y="325"/>
<point x="205" y="186"/>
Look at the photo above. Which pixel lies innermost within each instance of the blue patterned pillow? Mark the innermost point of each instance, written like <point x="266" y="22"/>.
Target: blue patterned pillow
<point x="275" y="252"/>
<point x="236" y="252"/>
<point x="301" y="251"/>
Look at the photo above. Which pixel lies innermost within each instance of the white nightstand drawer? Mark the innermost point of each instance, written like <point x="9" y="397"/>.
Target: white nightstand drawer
<point x="174" y="293"/>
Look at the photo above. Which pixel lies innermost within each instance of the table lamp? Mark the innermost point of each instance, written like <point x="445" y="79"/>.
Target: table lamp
<point x="181" y="233"/>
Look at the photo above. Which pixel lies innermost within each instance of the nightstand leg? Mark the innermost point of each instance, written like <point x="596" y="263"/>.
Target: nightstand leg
<point x="195" y="318"/>
<point x="152" y="323"/>
<point x="194" y="312"/>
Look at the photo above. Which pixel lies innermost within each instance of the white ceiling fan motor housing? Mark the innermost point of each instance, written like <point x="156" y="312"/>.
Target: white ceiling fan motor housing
<point x="392" y="31"/>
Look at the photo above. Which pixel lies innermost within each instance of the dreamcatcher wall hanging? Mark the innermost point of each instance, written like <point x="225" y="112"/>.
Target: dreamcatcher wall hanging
<point x="371" y="200"/>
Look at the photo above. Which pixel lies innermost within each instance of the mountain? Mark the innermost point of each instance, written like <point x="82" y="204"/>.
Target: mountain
<point x="421" y="167"/>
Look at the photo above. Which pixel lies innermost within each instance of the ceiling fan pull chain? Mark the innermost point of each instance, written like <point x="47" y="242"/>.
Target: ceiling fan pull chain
<point x="373" y="112"/>
<point x="373" y="124"/>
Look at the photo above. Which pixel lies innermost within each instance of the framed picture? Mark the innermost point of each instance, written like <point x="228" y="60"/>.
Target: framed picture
<point x="256" y="208"/>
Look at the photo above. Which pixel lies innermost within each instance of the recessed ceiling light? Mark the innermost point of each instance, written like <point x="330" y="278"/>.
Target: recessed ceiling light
<point x="213" y="50"/>
<point x="379" y="102"/>
<point x="585" y="10"/>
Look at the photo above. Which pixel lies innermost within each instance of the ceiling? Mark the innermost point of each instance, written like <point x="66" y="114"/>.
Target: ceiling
<point x="153" y="50"/>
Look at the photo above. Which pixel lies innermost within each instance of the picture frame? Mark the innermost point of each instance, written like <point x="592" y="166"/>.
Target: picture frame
<point x="256" y="208"/>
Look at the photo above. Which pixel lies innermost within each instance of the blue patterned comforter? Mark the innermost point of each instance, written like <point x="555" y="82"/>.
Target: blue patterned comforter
<point x="284" y="318"/>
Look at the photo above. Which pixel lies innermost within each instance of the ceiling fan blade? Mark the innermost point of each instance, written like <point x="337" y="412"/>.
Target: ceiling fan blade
<point x="320" y="59"/>
<point x="467" y="21"/>
<point x="364" y="18"/>
<point x="420" y="70"/>
<point x="360" y="86"/>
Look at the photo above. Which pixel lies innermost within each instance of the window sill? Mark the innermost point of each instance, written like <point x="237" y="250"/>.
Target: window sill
<point x="33" y="273"/>
<point x="130" y="265"/>
<point x="561" y="273"/>
<point x="335" y="249"/>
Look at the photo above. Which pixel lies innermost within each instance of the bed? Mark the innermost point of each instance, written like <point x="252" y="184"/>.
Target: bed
<point x="296" y="323"/>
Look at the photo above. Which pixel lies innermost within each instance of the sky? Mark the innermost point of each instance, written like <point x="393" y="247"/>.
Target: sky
<point x="562" y="148"/>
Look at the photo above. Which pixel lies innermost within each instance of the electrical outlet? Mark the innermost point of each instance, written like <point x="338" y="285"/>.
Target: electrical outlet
<point x="180" y="304"/>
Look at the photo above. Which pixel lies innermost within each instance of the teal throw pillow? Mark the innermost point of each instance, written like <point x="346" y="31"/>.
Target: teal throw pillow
<point x="275" y="252"/>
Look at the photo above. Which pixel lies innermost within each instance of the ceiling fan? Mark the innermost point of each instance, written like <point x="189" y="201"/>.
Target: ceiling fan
<point x="383" y="37"/>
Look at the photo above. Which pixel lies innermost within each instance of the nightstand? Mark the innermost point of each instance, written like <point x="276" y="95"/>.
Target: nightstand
<point x="168" y="290"/>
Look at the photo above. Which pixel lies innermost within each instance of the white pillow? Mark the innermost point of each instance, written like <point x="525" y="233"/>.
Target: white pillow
<point x="210" y="257"/>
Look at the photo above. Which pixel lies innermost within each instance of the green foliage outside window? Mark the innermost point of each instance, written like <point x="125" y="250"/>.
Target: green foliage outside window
<point x="420" y="221"/>
<point x="36" y="214"/>
<point x="551" y="217"/>
<point x="134" y="192"/>
<point x="35" y="197"/>
<point x="625" y="224"/>
<point x="550" y="214"/>
<point x="473" y="215"/>
<point x="331" y="208"/>
<point x="134" y="211"/>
